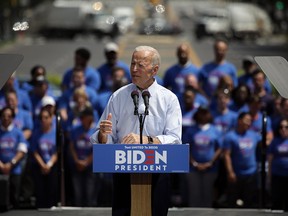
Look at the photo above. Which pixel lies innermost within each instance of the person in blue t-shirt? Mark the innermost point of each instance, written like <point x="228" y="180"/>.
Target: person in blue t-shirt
<point x="240" y="161"/>
<point x="24" y="101"/>
<point x="84" y="181"/>
<point x="36" y="71"/>
<point x="23" y="119"/>
<point x="278" y="167"/>
<point x="111" y="52"/>
<point x="65" y="102"/>
<point x="211" y="72"/>
<point x="205" y="149"/>
<point x="80" y="102"/>
<point x="118" y="80"/>
<point x="13" y="148"/>
<point x="224" y="119"/>
<point x="44" y="151"/>
<point x="249" y="66"/>
<point x="92" y="76"/>
<point x="174" y="76"/>
<point x="188" y="108"/>
<point x="267" y="99"/>
<point x="240" y="96"/>
<point x="255" y="109"/>
<point x="39" y="91"/>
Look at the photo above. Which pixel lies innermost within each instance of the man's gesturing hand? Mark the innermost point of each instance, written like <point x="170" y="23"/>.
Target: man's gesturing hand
<point x="105" y="128"/>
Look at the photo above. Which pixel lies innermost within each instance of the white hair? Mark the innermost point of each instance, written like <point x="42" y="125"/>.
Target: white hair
<point x="156" y="59"/>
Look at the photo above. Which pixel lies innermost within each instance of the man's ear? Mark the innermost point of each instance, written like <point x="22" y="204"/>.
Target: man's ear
<point x="155" y="70"/>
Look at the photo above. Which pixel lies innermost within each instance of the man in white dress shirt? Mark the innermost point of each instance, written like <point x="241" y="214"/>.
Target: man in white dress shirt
<point x="163" y="124"/>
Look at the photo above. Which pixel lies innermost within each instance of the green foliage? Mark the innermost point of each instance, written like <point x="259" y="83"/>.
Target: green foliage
<point x="54" y="79"/>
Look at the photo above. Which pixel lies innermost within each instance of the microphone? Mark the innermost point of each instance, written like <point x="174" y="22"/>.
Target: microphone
<point x="135" y="97"/>
<point x="146" y="96"/>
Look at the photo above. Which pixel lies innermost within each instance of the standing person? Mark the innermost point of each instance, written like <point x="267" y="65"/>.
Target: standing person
<point x="13" y="148"/>
<point x="39" y="92"/>
<point x="81" y="59"/>
<point x="278" y="167"/>
<point x="43" y="148"/>
<point x="249" y="66"/>
<point x="111" y="52"/>
<point x="119" y="125"/>
<point x="240" y="147"/>
<point x="36" y="71"/>
<point x="65" y="103"/>
<point x="211" y="72"/>
<point x="205" y="150"/>
<point x="24" y="101"/>
<point x="84" y="181"/>
<point x="174" y="77"/>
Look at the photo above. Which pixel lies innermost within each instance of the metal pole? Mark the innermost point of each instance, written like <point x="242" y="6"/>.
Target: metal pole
<point x="263" y="162"/>
<point x="61" y="171"/>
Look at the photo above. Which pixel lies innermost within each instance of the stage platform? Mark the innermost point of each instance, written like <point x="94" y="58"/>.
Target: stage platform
<point x="72" y="211"/>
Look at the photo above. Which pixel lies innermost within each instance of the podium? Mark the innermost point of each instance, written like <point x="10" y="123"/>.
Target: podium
<point x="141" y="161"/>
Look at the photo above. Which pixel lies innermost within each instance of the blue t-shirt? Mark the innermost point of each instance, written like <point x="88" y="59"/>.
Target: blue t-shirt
<point x="243" y="151"/>
<point x="81" y="141"/>
<point x="246" y="79"/>
<point x="23" y="120"/>
<point x="24" y="101"/>
<point x="257" y="123"/>
<point x="92" y="78"/>
<point x="44" y="143"/>
<point x="279" y="149"/>
<point x="9" y="143"/>
<point x="74" y="121"/>
<point x="210" y="74"/>
<point x="225" y="122"/>
<point x="203" y="143"/>
<point x="66" y="100"/>
<point x="105" y="72"/>
<point x="174" y="77"/>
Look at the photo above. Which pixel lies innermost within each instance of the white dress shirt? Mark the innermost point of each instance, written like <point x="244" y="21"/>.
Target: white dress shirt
<point x="164" y="120"/>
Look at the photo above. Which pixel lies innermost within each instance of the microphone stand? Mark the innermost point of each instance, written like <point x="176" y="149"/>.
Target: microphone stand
<point x="141" y="121"/>
<point x="141" y="183"/>
<point x="141" y="118"/>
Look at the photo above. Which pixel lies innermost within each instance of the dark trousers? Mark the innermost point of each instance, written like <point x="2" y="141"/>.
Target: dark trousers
<point x="245" y="188"/>
<point x="46" y="187"/>
<point x="279" y="192"/>
<point x="85" y="187"/>
<point x="121" y="204"/>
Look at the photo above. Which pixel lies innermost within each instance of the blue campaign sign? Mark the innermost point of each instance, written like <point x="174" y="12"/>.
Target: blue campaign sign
<point x="136" y="158"/>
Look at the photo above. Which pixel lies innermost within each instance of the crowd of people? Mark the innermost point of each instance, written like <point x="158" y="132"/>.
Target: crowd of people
<point x="222" y="120"/>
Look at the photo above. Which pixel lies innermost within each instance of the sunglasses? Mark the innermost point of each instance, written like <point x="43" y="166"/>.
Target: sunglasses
<point x="283" y="126"/>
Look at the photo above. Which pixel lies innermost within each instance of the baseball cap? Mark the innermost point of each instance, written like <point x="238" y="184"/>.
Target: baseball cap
<point x="111" y="47"/>
<point x="47" y="100"/>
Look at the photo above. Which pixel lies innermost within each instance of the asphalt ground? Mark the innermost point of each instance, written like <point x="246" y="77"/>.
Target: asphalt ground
<point x="72" y="211"/>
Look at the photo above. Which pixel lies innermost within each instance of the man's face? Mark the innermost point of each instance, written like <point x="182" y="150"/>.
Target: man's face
<point x="245" y="122"/>
<point x="259" y="80"/>
<point x="12" y="100"/>
<point x="78" y="79"/>
<point x="111" y="57"/>
<point x="183" y="55"/>
<point x="6" y="118"/>
<point x="220" y="50"/>
<point x="141" y="69"/>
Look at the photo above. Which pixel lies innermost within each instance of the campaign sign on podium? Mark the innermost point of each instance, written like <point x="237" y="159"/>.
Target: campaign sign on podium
<point x="137" y="158"/>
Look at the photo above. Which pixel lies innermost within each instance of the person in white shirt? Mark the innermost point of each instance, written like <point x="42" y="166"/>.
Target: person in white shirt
<point x="163" y="124"/>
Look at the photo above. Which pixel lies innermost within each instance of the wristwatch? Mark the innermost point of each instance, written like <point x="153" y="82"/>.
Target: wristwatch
<point x="150" y="140"/>
<point x="13" y="162"/>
